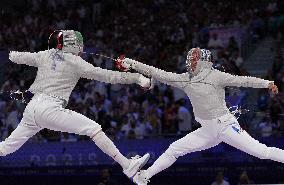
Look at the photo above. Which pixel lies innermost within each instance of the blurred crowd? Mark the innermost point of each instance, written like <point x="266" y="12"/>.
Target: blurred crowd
<point x="150" y="32"/>
<point x="272" y="107"/>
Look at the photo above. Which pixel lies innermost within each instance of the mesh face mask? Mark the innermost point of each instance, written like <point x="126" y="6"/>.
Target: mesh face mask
<point x="68" y="41"/>
<point x="195" y="55"/>
<point x="192" y="56"/>
<point x="72" y="42"/>
<point x="205" y="55"/>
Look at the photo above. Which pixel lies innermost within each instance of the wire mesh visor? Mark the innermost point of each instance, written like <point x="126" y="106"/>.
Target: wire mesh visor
<point x="69" y="41"/>
<point x="195" y="55"/>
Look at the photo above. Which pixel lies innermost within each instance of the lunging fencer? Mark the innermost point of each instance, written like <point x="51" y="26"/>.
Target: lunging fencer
<point x="206" y="88"/>
<point x="59" y="69"/>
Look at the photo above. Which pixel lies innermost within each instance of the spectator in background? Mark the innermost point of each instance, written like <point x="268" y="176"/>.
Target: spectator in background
<point x="170" y="118"/>
<point x="279" y="78"/>
<point x="238" y="60"/>
<point x="277" y="64"/>
<point x="262" y="101"/>
<point x="105" y="178"/>
<point x="126" y="126"/>
<point x="266" y="127"/>
<point x="232" y="47"/>
<point x="281" y="126"/>
<point x="132" y="132"/>
<point x="154" y="121"/>
<point x="184" y="118"/>
<point x="97" y="6"/>
<point x="220" y="180"/>
<point x="13" y="116"/>
<point x="4" y="133"/>
<point x="272" y="6"/>
<point x="141" y="127"/>
<point x="112" y="133"/>
<point x="244" y="179"/>
<point x="276" y="108"/>
<point x="215" y="45"/>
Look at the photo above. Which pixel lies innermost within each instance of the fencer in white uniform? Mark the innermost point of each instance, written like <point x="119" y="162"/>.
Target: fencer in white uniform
<point x="206" y="88"/>
<point x="59" y="70"/>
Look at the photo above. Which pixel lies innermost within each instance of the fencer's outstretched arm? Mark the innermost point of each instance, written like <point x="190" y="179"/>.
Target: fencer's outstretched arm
<point x="88" y="71"/>
<point x="169" y="78"/>
<point x="226" y="79"/>
<point x="27" y="58"/>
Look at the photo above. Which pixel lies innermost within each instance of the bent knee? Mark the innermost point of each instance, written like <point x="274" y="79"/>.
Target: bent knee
<point x="3" y="152"/>
<point x="174" y="152"/>
<point x="94" y="132"/>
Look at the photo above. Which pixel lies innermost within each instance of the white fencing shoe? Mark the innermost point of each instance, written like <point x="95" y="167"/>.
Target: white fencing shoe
<point x="140" y="178"/>
<point x="136" y="163"/>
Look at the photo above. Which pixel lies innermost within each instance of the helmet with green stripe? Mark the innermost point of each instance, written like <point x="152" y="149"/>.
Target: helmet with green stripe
<point x="68" y="41"/>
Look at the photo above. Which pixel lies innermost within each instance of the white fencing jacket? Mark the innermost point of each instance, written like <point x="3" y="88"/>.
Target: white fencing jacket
<point x="59" y="72"/>
<point x="205" y="88"/>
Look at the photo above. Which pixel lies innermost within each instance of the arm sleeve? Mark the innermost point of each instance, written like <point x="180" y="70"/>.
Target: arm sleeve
<point x="226" y="79"/>
<point x="169" y="78"/>
<point x="96" y="73"/>
<point x="27" y="58"/>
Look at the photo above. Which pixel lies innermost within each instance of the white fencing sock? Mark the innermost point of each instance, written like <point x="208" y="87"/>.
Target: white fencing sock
<point x="162" y="163"/>
<point x="107" y="146"/>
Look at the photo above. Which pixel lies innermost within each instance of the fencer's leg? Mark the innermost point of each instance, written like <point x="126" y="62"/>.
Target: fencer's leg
<point x="130" y="167"/>
<point x="240" y="139"/>
<point x="192" y="142"/>
<point x="107" y="146"/>
<point x="18" y="137"/>
<point x="65" y="120"/>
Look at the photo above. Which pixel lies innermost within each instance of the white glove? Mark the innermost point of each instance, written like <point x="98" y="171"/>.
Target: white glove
<point x="144" y="82"/>
<point x="124" y="64"/>
<point x="153" y="83"/>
